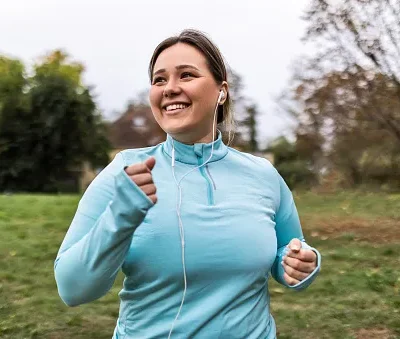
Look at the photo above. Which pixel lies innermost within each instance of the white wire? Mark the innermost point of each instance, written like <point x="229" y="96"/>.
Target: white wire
<point x="178" y="208"/>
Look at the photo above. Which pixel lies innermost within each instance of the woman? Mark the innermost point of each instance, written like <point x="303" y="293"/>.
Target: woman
<point x="195" y="226"/>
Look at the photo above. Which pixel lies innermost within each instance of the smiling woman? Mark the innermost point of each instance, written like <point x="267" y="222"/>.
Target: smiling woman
<point x="183" y="94"/>
<point x="197" y="227"/>
<point x="191" y="71"/>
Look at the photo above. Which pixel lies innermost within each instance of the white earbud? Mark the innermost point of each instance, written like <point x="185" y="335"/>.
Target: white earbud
<point x="221" y="96"/>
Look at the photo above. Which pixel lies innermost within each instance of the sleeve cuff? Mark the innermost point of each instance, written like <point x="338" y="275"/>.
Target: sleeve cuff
<point x="132" y="204"/>
<point x="307" y="281"/>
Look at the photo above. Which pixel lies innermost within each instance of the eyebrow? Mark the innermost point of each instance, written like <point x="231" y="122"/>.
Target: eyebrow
<point x="162" y="70"/>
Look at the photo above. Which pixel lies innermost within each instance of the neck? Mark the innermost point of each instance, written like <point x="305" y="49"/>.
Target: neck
<point x="191" y="139"/>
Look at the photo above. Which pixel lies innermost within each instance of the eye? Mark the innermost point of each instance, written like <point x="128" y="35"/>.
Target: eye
<point x="186" y="75"/>
<point x="158" y="80"/>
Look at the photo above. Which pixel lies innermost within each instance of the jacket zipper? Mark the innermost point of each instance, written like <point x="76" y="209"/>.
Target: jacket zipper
<point x="210" y="183"/>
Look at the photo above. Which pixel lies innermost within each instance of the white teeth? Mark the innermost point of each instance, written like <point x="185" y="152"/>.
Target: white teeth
<point x="176" y="106"/>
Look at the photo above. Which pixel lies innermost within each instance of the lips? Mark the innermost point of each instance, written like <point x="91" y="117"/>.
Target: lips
<point x="175" y="107"/>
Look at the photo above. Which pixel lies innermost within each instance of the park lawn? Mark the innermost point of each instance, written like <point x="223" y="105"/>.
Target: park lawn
<point x="357" y="294"/>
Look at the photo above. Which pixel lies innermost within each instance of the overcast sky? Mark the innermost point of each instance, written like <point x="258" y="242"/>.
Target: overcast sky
<point x="260" y="39"/>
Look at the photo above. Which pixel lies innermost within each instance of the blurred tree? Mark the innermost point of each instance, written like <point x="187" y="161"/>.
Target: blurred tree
<point x="357" y="32"/>
<point x="59" y="129"/>
<point x="12" y="83"/>
<point x="346" y="96"/>
<point x="358" y="36"/>
<point x="58" y="63"/>
<point x="12" y="78"/>
<point x="291" y="164"/>
<point x="344" y="122"/>
<point x="250" y="123"/>
<point x="246" y="114"/>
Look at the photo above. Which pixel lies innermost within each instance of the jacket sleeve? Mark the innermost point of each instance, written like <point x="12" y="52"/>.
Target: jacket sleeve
<point x="100" y="235"/>
<point x="288" y="227"/>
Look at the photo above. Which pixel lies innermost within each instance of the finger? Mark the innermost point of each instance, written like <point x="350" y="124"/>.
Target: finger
<point x="299" y="265"/>
<point x="153" y="198"/>
<point x="150" y="163"/>
<point x="295" y="245"/>
<point x="137" y="169"/>
<point x="142" y="179"/>
<point x="304" y="255"/>
<point x="293" y="273"/>
<point x="290" y="281"/>
<point x="149" y="189"/>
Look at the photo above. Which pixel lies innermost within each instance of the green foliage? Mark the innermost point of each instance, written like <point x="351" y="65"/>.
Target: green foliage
<point x="12" y="84"/>
<point x="57" y="129"/>
<point x="292" y="167"/>
<point x="58" y="62"/>
<point x="12" y="77"/>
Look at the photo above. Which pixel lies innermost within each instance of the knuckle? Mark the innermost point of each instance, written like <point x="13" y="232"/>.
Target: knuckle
<point x="143" y="167"/>
<point x="303" y="256"/>
<point x="133" y="169"/>
<point x="296" y="264"/>
<point x="128" y="170"/>
<point x="289" y="279"/>
<point x="136" y="179"/>
<point x="136" y="168"/>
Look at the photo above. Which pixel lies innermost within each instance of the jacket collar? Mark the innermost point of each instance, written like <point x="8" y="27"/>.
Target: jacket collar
<point x="195" y="154"/>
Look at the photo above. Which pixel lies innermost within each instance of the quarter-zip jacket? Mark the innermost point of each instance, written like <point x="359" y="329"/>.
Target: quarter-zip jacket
<point x="238" y="216"/>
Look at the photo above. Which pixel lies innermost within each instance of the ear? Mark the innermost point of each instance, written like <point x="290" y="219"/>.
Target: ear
<point x="225" y="89"/>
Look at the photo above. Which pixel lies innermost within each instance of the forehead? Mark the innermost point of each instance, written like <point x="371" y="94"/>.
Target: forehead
<point x="180" y="54"/>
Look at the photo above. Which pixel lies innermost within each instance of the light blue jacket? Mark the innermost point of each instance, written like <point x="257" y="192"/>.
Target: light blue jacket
<point x="238" y="216"/>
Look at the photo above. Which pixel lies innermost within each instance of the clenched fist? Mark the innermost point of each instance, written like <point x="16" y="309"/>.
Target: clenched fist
<point x="141" y="176"/>
<point x="299" y="263"/>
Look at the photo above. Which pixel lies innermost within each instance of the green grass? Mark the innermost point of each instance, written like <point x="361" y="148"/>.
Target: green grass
<point x="356" y="295"/>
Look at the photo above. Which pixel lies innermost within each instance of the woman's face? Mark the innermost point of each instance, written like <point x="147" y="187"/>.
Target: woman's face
<point x="184" y="94"/>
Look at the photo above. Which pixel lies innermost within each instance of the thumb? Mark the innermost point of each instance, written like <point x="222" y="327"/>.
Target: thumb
<point x="295" y="245"/>
<point x="150" y="162"/>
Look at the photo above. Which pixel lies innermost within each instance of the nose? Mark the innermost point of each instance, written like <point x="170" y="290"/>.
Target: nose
<point x="171" y="89"/>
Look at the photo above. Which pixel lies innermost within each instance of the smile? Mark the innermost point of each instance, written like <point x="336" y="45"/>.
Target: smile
<point x="175" y="108"/>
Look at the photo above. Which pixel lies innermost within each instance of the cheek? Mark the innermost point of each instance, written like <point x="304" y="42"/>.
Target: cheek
<point x="203" y="96"/>
<point x="155" y="97"/>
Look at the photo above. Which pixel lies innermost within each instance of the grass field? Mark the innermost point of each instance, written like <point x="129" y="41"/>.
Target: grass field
<point x="357" y="294"/>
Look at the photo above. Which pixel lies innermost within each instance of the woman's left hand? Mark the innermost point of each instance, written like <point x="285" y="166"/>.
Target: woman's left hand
<point x="298" y="263"/>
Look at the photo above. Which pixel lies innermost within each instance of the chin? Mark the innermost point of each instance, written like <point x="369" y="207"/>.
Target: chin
<point x="176" y="130"/>
<point x="176" y="126"/>
<point x="182" y="132"/>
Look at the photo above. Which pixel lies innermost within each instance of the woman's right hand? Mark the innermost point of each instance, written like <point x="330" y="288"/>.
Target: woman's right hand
<point x="141" y="176"/>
